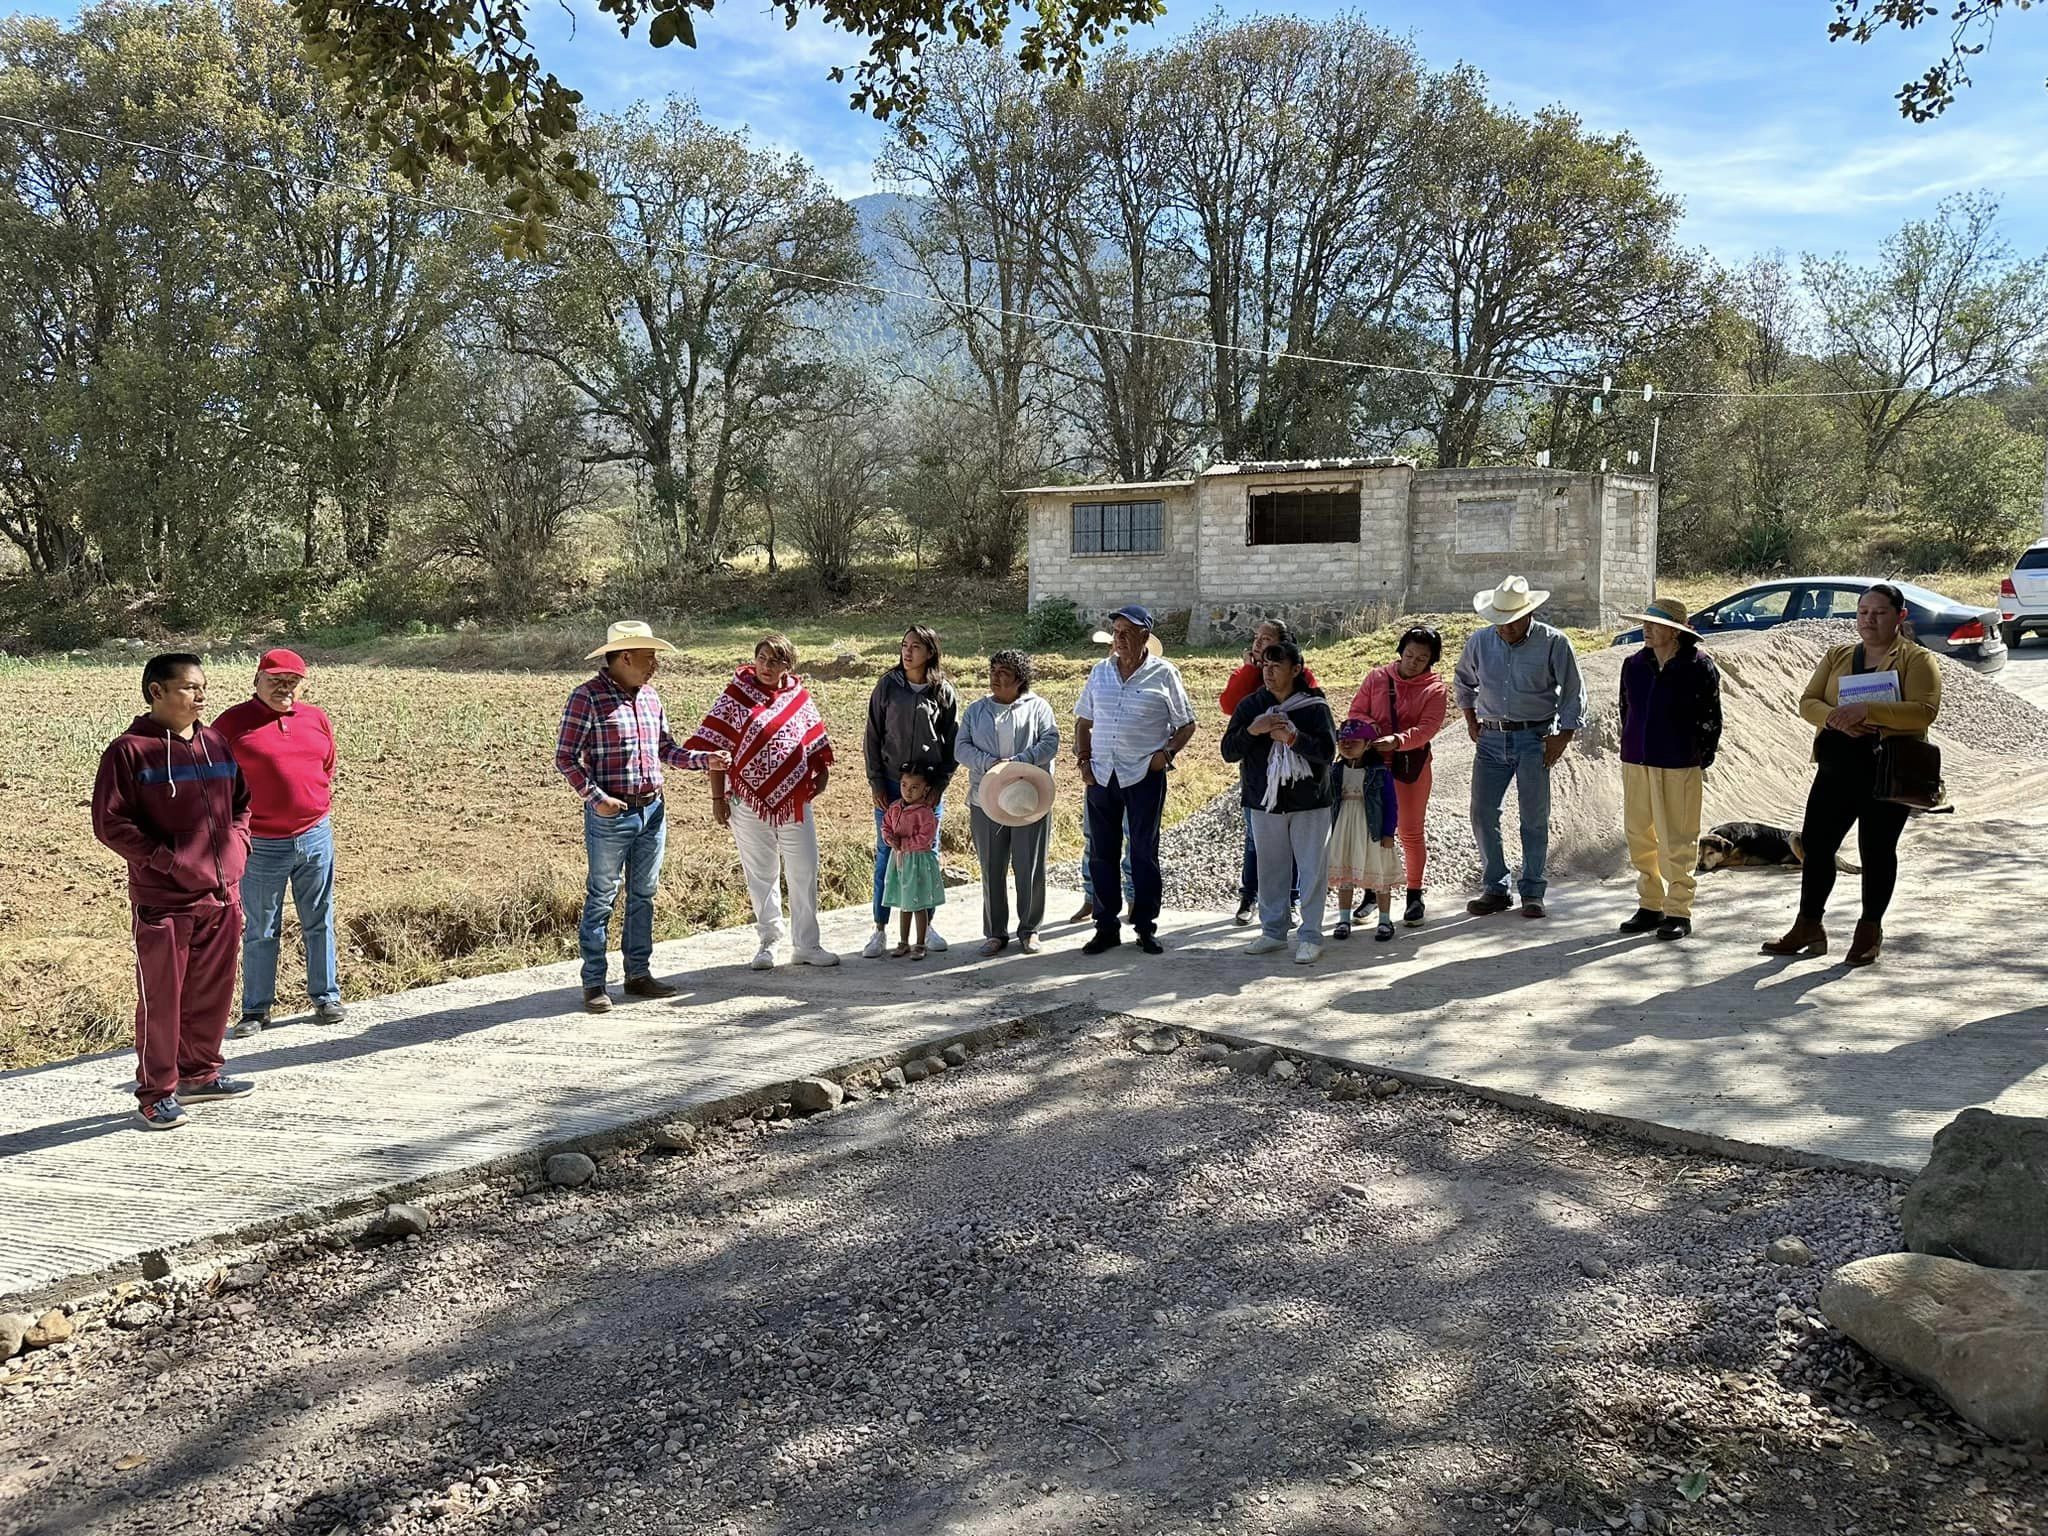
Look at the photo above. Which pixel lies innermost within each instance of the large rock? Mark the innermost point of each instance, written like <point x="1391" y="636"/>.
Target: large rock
<point x="14" y="1327"/>
<point x="815" y="1095"/>
<point x="1983" y="1195"/>
<point x="53" y="1327"/>
<point x="569" y="1170"/>
<point x="1977" y="1336"/>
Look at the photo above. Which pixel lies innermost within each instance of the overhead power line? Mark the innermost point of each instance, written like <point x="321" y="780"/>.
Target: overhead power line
<point x="1648" y="392"/>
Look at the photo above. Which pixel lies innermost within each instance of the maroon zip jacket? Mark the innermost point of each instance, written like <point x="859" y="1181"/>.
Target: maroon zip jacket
<point x="177" y="811"/>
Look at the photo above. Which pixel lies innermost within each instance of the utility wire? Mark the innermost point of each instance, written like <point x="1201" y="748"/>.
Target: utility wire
<point x="627" y="245"/>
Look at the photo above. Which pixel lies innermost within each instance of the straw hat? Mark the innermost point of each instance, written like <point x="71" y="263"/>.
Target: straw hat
<point x="1015" y="794"/>
<point x="630" y="635"/>
<point x="1103" y="637"/>
<point x="1513" y="599"/>
<point x="1669" y="612"/>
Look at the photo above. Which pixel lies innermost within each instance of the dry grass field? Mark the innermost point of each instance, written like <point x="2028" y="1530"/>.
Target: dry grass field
<point x="460" y="849"/>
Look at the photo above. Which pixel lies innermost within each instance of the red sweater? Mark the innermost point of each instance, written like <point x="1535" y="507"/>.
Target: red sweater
<point x="1248" y="680"/>
<point x="177" y="811"/>
<point x="1420" y="701"/>
<point x="288" y="760"/>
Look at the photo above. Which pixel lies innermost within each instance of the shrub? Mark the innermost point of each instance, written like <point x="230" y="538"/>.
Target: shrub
<point x="1052" y="623"/>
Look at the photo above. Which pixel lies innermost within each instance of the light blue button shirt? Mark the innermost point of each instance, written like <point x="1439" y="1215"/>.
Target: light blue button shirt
<point x="1131" y="717"/>
<point x="1535" y="680"/>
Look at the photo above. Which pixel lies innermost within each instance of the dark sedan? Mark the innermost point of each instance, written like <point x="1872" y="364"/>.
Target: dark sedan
<point x="1964" y="631"/>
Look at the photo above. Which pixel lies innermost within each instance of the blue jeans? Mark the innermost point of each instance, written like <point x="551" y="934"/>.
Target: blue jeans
<point x="630" y="844"/>
<point x="894" y="791"/>
<point x="1088" y="859"/>
<point x="306" y="864"/>
<point x="1248" y="874"/>
<point x="1515" y="757"/>
<point x="1296" y="842"/>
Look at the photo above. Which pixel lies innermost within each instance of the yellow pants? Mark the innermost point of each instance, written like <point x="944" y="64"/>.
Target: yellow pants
<point x="1660" y="810"/>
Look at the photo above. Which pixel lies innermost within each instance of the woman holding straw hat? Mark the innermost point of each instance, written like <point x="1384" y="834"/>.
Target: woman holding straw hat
<point x="1670" y="731"/>
<point x="1008" y="740"/>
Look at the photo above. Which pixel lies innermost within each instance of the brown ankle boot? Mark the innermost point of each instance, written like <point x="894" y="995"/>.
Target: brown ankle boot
<point x="1864" y="946"/>
<point x="1806" y="937"/>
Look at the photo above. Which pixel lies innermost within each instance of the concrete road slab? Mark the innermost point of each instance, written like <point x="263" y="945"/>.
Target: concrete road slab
<point x="1705" y="1039"/>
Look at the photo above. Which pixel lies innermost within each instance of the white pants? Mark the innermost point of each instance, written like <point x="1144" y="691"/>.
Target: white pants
<point x="769" y="853"/>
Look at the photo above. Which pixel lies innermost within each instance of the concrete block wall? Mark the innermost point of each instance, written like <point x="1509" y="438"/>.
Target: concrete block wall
<point x="1470" y="528"/>
<point x="1165" y="582"/>
<point x="1318" y="588"/>
<point x="1628" y="545"/>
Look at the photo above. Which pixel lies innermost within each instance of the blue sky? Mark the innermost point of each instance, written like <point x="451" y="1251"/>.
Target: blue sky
<point x="1771" y="135"/>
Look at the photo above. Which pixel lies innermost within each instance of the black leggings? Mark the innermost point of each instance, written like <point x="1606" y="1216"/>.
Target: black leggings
<point x="1837" y="802"/>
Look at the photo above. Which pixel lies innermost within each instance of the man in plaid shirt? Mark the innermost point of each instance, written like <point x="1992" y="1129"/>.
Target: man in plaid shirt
<point x="613" y="742"/>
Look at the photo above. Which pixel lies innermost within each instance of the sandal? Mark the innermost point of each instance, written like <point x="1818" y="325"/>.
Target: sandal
<point x="903" y="949"/>
<point x="1342" y="930"/>
<point x="917" y="951"/>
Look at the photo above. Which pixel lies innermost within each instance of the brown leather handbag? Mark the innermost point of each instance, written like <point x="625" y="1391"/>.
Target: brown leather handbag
<point x="1909" y="773"/>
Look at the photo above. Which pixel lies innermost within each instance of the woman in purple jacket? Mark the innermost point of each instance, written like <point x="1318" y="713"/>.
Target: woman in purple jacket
<point x="1670" y="731"/>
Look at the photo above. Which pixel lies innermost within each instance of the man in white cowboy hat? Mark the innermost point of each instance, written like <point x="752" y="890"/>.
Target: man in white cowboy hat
<point x="1670" y="731"/>
<point x="1517" y="683"/>
<point x="613" y="743"/>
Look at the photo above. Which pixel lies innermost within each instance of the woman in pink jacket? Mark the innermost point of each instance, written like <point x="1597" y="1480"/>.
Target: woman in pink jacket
<point x="1406" y="700"/>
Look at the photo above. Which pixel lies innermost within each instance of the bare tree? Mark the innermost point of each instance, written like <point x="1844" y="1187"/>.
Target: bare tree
<point x="510" y="476"/>
<point x="835" y="476"/>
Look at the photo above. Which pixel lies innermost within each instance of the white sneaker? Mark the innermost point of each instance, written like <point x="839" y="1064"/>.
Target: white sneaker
<point x="815" y="957"/>
<point x="933" y="942"/>
<point x="1264" y="945"/>
<point x="1307" y="954"/>
<point x="764" y="959"/>
<point x="877" y="945"/>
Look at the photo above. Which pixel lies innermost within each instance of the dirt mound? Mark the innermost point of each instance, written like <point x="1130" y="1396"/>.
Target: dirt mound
<point x="1991" y="739"/>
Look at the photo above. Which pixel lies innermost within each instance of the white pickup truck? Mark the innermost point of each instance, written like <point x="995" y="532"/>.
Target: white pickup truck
<point x="2023" y="596"/>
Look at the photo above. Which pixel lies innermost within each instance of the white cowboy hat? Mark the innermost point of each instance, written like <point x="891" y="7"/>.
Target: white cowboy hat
<point x="630" y="635"/>
<point x="1015" y="794"/>
<point x="1669" y="612"/>
<point x="1513" y="599"/>
<point x="1103" y="637"/>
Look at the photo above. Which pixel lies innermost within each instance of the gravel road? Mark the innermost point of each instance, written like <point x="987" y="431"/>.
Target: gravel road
<point x="1068" y="1288"/>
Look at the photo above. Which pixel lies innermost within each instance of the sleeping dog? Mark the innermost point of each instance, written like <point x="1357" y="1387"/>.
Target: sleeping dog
<point x="1751" y="845"/>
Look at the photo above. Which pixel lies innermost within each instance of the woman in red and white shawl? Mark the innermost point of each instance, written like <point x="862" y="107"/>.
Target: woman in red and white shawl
<point x="781" y="759"/>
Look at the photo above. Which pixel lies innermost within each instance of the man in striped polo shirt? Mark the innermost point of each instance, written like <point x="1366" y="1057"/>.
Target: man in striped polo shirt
<point x="613" y="743"/>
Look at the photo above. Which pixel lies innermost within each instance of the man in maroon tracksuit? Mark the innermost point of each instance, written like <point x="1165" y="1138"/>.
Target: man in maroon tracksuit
<point x="170" y="800"/>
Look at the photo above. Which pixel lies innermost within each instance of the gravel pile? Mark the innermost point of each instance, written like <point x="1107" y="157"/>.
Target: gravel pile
<point x="1072" y="1288"/>
<point x="1984" y="726"/>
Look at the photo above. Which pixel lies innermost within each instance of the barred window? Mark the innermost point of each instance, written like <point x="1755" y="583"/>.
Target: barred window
<point x="1119" y="527"/>
<point x="1302" y="517"/>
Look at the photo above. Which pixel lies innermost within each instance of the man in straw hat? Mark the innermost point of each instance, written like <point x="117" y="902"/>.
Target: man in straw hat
<point x="1670" y="731"/>
<point x="1517" y="683"/>
<point x="613" y="743"/>
<point x="1008" y="740"/>
<point x="1131" y="721"/>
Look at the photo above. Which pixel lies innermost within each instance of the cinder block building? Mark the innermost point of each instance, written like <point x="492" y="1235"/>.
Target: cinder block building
<point x="1328" y="544"/>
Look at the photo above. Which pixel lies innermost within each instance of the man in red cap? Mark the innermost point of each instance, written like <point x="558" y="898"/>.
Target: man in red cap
<point x="286" y="750"/>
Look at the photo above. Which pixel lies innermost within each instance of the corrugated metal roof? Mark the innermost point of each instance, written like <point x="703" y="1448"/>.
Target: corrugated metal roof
<point x="1115" y="485"/>
<point x="1298" y="466"/>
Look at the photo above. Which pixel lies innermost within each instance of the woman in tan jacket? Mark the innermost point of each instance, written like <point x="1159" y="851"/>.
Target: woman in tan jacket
<point x="1845" y="778"/>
